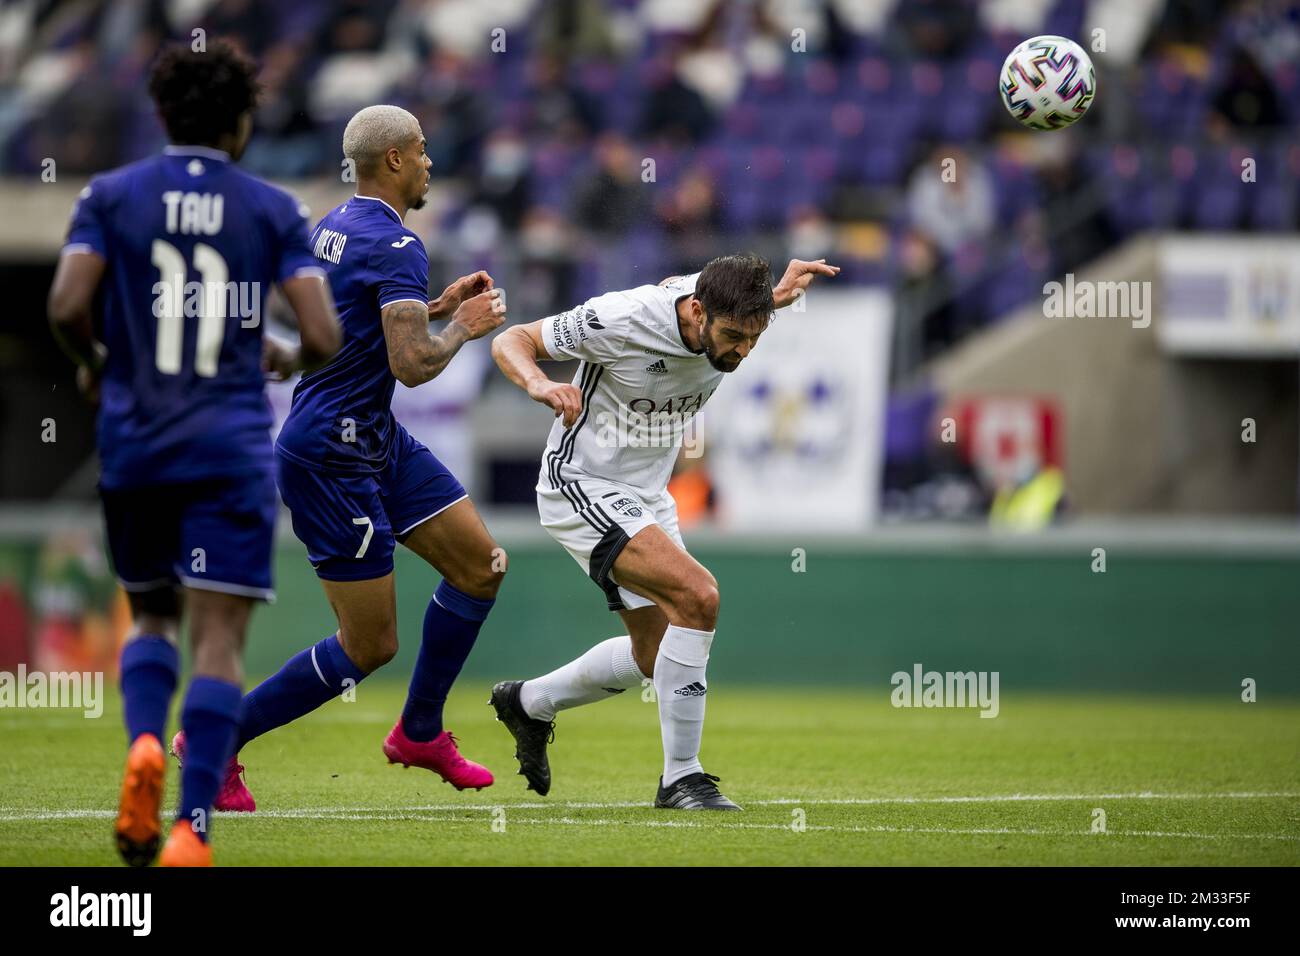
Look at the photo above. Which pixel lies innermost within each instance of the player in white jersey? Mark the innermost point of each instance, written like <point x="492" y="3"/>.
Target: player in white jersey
<point x="650" y="358"/>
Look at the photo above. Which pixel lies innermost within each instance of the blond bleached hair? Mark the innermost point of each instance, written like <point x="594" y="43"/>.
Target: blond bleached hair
<point x="375" y="130"/>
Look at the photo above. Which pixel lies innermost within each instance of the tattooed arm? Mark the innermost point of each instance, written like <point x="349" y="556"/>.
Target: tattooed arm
<point x="414" y="355"/>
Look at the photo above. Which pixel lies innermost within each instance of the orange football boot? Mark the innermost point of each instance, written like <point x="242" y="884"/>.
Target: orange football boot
<point x="138" y="829"/>
<point x="184" y="848"/>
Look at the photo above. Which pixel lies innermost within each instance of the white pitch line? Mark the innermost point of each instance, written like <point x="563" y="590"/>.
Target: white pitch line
<point x="414" y="816"/>
<point x="820" y="802"/>
<point x="989" y="831"/>
<point x="13" y="814"/>
<point x="1029" y="798"/>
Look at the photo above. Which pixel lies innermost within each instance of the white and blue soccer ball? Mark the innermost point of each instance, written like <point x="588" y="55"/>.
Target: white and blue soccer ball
<point x="1047" y="82"/>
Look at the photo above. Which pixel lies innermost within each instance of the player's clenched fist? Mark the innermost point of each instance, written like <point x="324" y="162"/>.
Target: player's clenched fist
<point x="279" y="361"/>
<point x="481" y="314"/>
<point x="564" y="400"/>
<point x="466" y="287"/>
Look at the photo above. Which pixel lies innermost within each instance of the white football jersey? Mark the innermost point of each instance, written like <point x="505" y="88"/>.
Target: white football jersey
<point x="641" y="388"/>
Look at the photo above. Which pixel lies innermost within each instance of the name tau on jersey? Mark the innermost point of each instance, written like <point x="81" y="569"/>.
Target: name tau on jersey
<point x="193" y="214"/>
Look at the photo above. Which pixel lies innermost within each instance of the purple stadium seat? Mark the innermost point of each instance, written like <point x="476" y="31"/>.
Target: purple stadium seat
<point x="1271" y="207"/>
<point x="743" y="123"/>
<point x="1218" y="207"/>
<point x="907" y="424"/>
<point x="882" y="163"/>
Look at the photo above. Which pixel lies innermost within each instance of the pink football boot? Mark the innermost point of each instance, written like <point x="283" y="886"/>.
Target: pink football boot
<point x="233" y="795"/>
<point x="439" y="755"/>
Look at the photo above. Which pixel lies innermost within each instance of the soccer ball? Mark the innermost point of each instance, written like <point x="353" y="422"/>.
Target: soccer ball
<point x="1048" y="82"/>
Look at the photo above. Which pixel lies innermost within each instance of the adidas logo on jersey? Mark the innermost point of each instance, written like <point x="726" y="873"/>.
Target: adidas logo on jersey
<point x="658" y="368"/>
<point x="695" y="689"/>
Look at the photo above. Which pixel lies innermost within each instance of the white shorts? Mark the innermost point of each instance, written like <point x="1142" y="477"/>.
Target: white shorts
<point x="594" y="519"/>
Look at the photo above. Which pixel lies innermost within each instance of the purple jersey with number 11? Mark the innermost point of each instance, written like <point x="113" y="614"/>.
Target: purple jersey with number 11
<point x="193" y="245"/>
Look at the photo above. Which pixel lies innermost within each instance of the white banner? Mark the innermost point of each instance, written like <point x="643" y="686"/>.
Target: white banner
<point x="794" y="438"/>
<point x="1230" y="295"/>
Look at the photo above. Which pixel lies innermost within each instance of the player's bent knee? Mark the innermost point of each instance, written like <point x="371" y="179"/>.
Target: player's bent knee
<point x="371" y="651"/>
<point x="481" y="582"/>
<point x="384" y="648"/>
<point x="697" y="606"/>
<point x="374" y="657"/>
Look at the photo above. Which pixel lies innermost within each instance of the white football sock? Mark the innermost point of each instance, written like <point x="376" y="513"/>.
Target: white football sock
<point x="605" y="670"/>
<point x="680" y="687"/>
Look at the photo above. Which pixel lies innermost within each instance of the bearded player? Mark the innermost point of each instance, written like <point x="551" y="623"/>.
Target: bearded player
<point x="649" y="360"/>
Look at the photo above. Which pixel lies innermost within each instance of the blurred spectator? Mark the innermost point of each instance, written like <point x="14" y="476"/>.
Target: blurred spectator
<point x="250" y="22"/>
<point x="556" y="108"/>
<point x="503" y="184"/>
<point x="690" y="218"/>
<point x="547" y="268"/>
<point x="456" y="117"/>
<point x="466" y="27"/>
<point x="936" y="29"/>
<point x="614" y="199"/>
<point x="577" y="29"/>
<point x="950" y="199"/>
<point x="1022" y="17"/>
<point x="924" y="319"/>
<point x="1190" y="22"/>
<point x="287" y="142"/>
<point x="1075" y="205"/>
<point x="809" y="234"/>
<point x="83" y="127"/>
<point x="673" y="111"/>
<point x="1247" y="97"/>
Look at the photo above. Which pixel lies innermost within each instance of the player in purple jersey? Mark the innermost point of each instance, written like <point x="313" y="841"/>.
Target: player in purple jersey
<point x="183" y="249"/>
<point x="357" y="484"/>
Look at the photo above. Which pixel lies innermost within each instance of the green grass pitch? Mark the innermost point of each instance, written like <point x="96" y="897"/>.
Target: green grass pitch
<point x="825" y="776"/>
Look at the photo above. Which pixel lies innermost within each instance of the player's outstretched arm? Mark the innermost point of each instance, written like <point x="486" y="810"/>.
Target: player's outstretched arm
<point x="318" y="329"/>
<point x="69" y="309"/>
<point x="517" y="352"/>
<point x="414" y="355"/>
<point x="799" y="274"/>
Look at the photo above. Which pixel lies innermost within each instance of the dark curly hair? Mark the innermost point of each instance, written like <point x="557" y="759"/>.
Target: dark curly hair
<point x="201" y="95"/>
<point x="738" y="288"/>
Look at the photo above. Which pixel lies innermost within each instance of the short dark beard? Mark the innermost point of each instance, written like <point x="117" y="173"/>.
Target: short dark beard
<point x="706" y="342"/>
<point x="716" y="363"/>
<point x="421" y="202"/>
